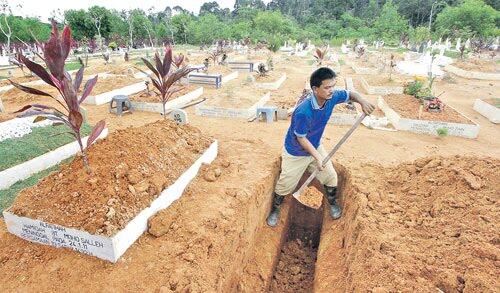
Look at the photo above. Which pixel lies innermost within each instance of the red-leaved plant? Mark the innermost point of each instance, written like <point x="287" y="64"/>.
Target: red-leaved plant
<point x="55" y="52"/>
<point x="165" y="76"/>
<point x="320" y="55"/>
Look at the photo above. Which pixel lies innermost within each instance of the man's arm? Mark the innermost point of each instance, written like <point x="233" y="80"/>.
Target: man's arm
<point x="307" y="145"/>
<point x="366" y="106"/>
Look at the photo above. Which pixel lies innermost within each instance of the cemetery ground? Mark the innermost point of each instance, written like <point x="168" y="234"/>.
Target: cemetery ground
<point x="420" y="214"/>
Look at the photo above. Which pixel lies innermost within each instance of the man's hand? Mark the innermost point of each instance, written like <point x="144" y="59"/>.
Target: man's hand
<point x="367" y="107"/>
<point x="319" y="163"/>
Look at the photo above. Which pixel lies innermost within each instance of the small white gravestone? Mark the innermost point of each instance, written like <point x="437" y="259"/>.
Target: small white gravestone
<point x="179" y="116"/>
<point x="4" y="61"/>
<point x="457" y="47"/>
<point x="467" y="44"/>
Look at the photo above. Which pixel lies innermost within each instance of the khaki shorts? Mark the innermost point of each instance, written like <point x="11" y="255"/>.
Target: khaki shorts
<point x="293" y="167"/>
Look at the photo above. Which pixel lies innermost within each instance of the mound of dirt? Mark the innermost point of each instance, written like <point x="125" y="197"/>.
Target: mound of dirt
<point x="129" y="170"/>
<point x="312" y="197"/>
<point x="479" y="65"/>
<point x="421" y="226"/>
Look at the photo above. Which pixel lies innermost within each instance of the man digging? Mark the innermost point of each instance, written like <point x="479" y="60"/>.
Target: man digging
<point x="302" y="142"/>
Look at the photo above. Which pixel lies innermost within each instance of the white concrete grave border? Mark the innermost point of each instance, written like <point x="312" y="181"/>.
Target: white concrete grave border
<point x="107" y="248"/>
<point x="175" y="103"/>
<point x="364" y="70"/>
<point x="472" y="74"/>
<point x="243" y="113"/>
<point x="40" y="163"/>
<point x="489" y="111"/>
<point x="345" y="118"/>
<point x="380" y="90"/>
<point x="272" y="85"/>
<point x="428" y="126"/>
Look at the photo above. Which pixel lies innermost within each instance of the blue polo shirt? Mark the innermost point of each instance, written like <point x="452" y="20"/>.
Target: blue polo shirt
<point x="309" y="120"/>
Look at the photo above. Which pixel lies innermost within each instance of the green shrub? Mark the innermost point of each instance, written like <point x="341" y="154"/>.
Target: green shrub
<point x="442" y="132"/>
<point x="112" y="45"/>
<point x="413" y="88"/>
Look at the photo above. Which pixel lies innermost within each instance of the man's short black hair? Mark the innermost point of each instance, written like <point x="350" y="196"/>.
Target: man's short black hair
<point x="321" y="74"/>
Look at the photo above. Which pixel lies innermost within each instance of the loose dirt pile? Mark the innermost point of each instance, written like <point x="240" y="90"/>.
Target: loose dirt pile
<point x="15" y="95"/>
<point x="421" y="226"/>
<point x="110" y="83"/>
<point x="383" y="80"/>
<point x="154" y="95"/>
<point x="312" y="197"/>
<point x="479" y="65"/>
<point x="6" y="116"/>
<point x="217" y="69"/>
<point x="129" y="170"/>
<point x="237" y="93"/>
<point x="408" y="107"/>
<point x="21" y="79"/>
<point x="270" y="76"/>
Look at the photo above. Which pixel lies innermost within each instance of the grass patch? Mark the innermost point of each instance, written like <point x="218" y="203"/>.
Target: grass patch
<point x="40" y="141"/>
<point x="72" y="66"/>
<point x="452" y="54"/>
<point x="341" y="62"/>
<point x="8" y="195"/>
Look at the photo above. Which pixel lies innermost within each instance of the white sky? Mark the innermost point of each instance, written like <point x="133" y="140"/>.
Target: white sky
<point x="44" y="8"/>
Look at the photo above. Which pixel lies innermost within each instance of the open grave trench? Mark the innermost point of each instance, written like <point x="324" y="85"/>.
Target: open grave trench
<point x="283" y="259"/>
<point x="383" y="240"/>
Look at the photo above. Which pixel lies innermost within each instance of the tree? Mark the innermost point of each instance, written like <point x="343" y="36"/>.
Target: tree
<point x="390" y="25"/>
<point x="180" y="23"/>
<point x="80" y="23"/>
<point x="99" y="17"/>
<point x="142" y="25"/>
<point x="207" y="29"/>
<point x="5" y="27"/>
<point x="210" y="7"/>
<point x="473" y="16"/>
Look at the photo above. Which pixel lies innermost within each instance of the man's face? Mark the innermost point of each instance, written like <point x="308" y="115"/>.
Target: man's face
<point x="325" y="90"/>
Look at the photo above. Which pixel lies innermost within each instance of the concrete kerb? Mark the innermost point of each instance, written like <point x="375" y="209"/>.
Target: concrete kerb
<point x="364" y="70"/>
<point x="175" y="103"/>
<point x="40" y="163"/>
<point x="489" y="111"/>
<point x="245" y="113"/>
<point x="471" y="74"/>
<point x="272" y="85"/>
<point x="380" y="90"/>
<point x="107" y="248"/>
<point x="427" y="126"/>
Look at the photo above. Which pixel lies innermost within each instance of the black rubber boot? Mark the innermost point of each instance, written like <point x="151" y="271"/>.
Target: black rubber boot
<point x="331" y="196"/>
<point x="272" y="219"/>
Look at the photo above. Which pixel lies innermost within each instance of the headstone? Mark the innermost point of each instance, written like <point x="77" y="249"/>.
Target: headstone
<point x="282" y="113"/>
<point x="467" y="44"/>
<point x="429" y="44"/>
<point x="179" y="116"/>
<point x="457" y="47"/>
<point x="421" y="48"/>
<point x="441" y="51"/>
